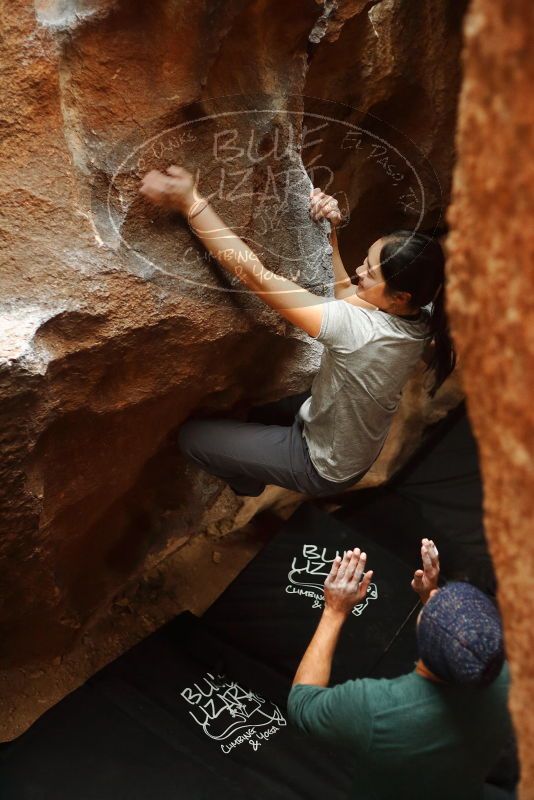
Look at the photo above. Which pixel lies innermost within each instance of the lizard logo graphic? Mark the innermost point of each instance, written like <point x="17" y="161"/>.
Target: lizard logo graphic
<point x="309" y="572"/>
<point x="223" y="707"/>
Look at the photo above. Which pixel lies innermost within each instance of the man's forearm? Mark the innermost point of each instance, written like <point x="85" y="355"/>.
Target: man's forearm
<point x="316" y="664"/>
<point x="237" y="258"/>
<point x="343" y="286"/>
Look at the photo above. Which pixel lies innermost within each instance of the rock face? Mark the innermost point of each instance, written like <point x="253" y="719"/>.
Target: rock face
<point x="114" y="326"/>
<point x="400" y="70"/>
<point x="491" y="257"/>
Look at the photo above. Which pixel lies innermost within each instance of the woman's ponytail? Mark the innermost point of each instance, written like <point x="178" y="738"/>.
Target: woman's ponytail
<point x="443" y="359"/>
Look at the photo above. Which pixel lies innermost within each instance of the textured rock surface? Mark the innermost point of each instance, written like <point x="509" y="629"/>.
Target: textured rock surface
<point x="491" y="257"/>
<point x="114" y="327"/>
<point x="398" y="71"/>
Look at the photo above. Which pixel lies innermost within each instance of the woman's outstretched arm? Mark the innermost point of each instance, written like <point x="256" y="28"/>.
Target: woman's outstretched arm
<point x="343" y="286"/>
<point x="324" y="206"/>
<point x="176" y="190"/>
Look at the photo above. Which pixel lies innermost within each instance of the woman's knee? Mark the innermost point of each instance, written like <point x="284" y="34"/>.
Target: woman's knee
<point x="189" y="437"/>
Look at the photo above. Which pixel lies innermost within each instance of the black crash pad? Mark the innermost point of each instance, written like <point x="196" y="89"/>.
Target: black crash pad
<point x="181" y="715"/>
<point x="272" y="608"/>
<point x="197" y="710"/>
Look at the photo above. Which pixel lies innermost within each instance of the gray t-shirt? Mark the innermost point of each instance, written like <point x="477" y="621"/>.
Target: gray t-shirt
<point x="368" y="357"/>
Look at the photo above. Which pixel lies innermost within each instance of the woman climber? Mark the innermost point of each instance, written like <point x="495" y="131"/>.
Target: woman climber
<point x="373" y="333"/>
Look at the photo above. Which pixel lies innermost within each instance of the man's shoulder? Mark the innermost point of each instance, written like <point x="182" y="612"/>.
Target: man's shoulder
<point x="373" y="693"/>
<point x="500" y="686"/>
<point x="395" y="690"/>
<point x="503" y="679"/>
<point x="382" y="693"/>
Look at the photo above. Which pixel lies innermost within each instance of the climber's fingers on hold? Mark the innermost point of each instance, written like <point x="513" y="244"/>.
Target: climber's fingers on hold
<point x="152" y="183"/>
<point x="315" y="202"/>
<point x="325" y="206"/>
<point x="178" y="172"/>
<point x="151" y="177"/>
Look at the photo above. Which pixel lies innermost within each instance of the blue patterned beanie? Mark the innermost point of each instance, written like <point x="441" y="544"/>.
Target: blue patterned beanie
<point x="460" y="636"/>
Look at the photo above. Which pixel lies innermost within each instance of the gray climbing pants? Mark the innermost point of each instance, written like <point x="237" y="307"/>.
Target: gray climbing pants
<point x="267" y="449"/>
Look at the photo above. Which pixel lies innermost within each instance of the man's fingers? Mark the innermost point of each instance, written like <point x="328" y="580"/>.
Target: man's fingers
<point x="175" y="171"/>
<point x="353" y="563"/>
<point x="417" y="582"/>
<point x="434" y="555"/>
<point x="360" y="566"/>
<point x="425" y="555"/>
<point x="366" y="580"/>
<point x="334" y="569"/>
<point x="344" y="564"/>
<point x="430" y="557"/>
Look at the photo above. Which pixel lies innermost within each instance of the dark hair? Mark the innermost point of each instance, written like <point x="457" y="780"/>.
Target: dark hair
<point x="415" y="263"/>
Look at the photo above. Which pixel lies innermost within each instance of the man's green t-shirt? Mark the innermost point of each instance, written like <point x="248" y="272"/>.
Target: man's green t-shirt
<point x="410" y="737"/>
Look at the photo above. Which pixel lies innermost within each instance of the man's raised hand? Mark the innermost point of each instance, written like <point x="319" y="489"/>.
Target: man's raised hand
<point x="347" y="583"/>
<point x="426" y="580"/>
<point x="324" y="206"/>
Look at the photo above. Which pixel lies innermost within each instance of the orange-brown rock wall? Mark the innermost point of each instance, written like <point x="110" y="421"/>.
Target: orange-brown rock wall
<point x="113" y="327"/>
<point x="491" y="300"/>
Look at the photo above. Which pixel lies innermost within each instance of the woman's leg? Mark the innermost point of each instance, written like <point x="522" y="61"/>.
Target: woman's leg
<point x="247" y="455"/>
<point x="281" y="412"/>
